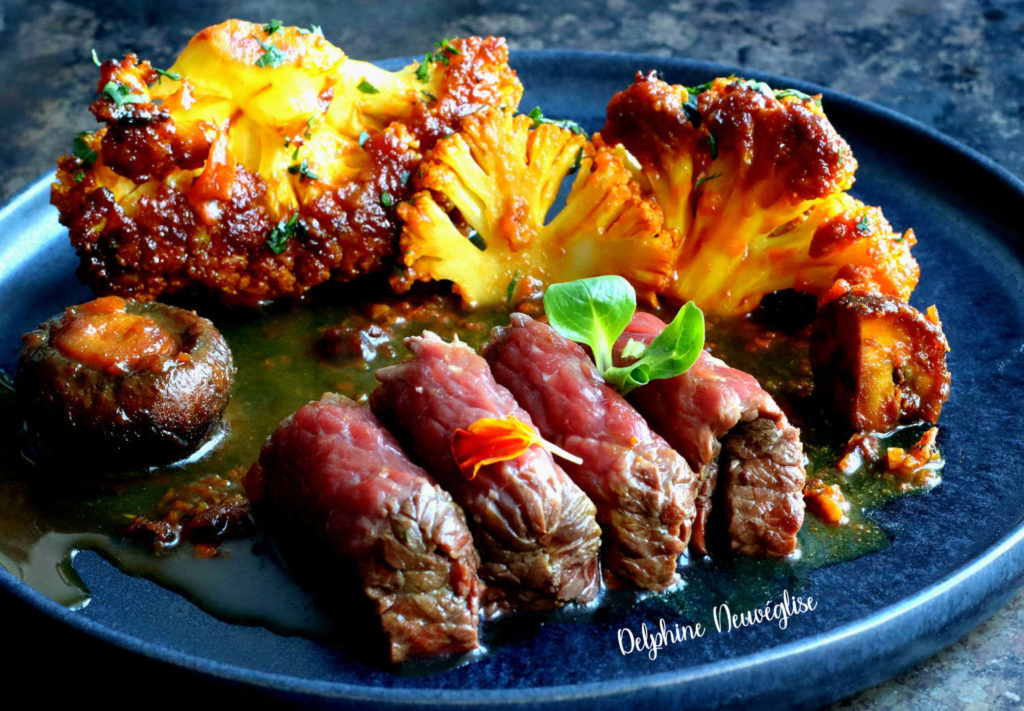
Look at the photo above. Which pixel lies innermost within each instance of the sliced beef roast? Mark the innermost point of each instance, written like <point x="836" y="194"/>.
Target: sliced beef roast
<point x="332" y="468"/>
<point x="642" y="487"/>
<point x="763" y="458"/>
<point x="534" y="528"/>
<point x="764" y="487"/>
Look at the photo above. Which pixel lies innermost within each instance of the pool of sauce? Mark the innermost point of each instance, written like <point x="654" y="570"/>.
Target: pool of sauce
<point x="287" y="356"/>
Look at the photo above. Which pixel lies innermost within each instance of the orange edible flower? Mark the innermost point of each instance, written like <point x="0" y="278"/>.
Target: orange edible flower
<point x="490" y="440"/>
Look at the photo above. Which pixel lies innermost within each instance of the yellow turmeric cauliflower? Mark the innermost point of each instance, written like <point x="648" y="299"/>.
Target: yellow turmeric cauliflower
<point x="263" y="162"/>
<point x="752" y="182"/>
<point x="479" y="217"/>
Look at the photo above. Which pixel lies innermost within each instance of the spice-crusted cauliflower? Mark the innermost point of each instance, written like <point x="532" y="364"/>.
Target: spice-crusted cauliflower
<point x="753" y="182"/>
<point x="262" y="163"/>
<point x="479" y="216"/>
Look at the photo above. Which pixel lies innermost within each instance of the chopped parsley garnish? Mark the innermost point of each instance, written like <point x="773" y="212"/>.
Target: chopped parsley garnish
<point x="445" y="50"/>
<point x="80" y="149"/>
<point x="783" y="93"/>
<point x="713" y="145"/>
<point x="272" y="27"/>
<point x="387" y="199"/>
<point x="404" y="177"/>
<point x="272" y="57"/>
<point x="173" y="76"/>
<point x="303" y="169"/>
<point x="707" y="178"/>
<point x="430" y="97"/>
<point x="283" y="231"/>
<point x="691" y="111"/>
<point x="576" y="161"/>
<point x="476" y="240"/>
<point x="295" y="153"/>
<point x="363" y="135"/>
<point x="121" y="94"/>
<point x="758" y="86"/>
<point x="864" y="226"/>
<point x="510" y="294"/>
<point x="367" y="88"/>
<point x="423" y="70"/>
<point x="762" y="88"/>
<point x="313" y="30"/>
<point x="538" y="118"/>
<point x="700" y="87"/>
<point x="95" y="59"/>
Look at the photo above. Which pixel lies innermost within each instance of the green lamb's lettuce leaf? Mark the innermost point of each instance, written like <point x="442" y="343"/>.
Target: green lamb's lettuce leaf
<point x="596" y="311"/>
<point x="592" y="311"/>
<point x="673" y="352"/>
<point x="633" y="349"/>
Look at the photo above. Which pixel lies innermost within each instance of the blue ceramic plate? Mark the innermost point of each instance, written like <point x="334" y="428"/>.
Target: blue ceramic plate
<point x="956" y="553"/>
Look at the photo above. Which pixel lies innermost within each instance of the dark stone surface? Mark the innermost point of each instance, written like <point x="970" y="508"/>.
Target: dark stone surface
<point x="954" y="65"/>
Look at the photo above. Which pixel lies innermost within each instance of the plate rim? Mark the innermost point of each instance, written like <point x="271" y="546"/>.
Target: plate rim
<point x="996" y="574"/>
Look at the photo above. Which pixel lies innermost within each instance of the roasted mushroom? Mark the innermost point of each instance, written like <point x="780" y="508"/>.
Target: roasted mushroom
<point x="127" y="382"/>
<point x="878" y="361"/>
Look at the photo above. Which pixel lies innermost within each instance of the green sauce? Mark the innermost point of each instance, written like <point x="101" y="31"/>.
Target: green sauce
<point x="47" y="515"/>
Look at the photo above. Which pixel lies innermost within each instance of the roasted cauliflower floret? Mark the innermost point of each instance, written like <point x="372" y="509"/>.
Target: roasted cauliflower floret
<point x="655" y="122"/>
<point x="480" y="215"/>
<point x="262" y="163"/>
<point x="752" y="181"/>
<point x="840" y="238"/>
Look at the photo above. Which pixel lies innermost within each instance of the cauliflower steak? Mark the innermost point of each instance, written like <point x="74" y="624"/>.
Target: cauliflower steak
<point x="264" y="162"/>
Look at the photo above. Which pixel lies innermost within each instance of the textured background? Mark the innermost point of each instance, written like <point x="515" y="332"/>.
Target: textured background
<point x="954" y="65"/>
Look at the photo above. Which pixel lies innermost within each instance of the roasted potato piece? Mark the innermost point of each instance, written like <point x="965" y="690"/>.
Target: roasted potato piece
<point x="879" y="361"/>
